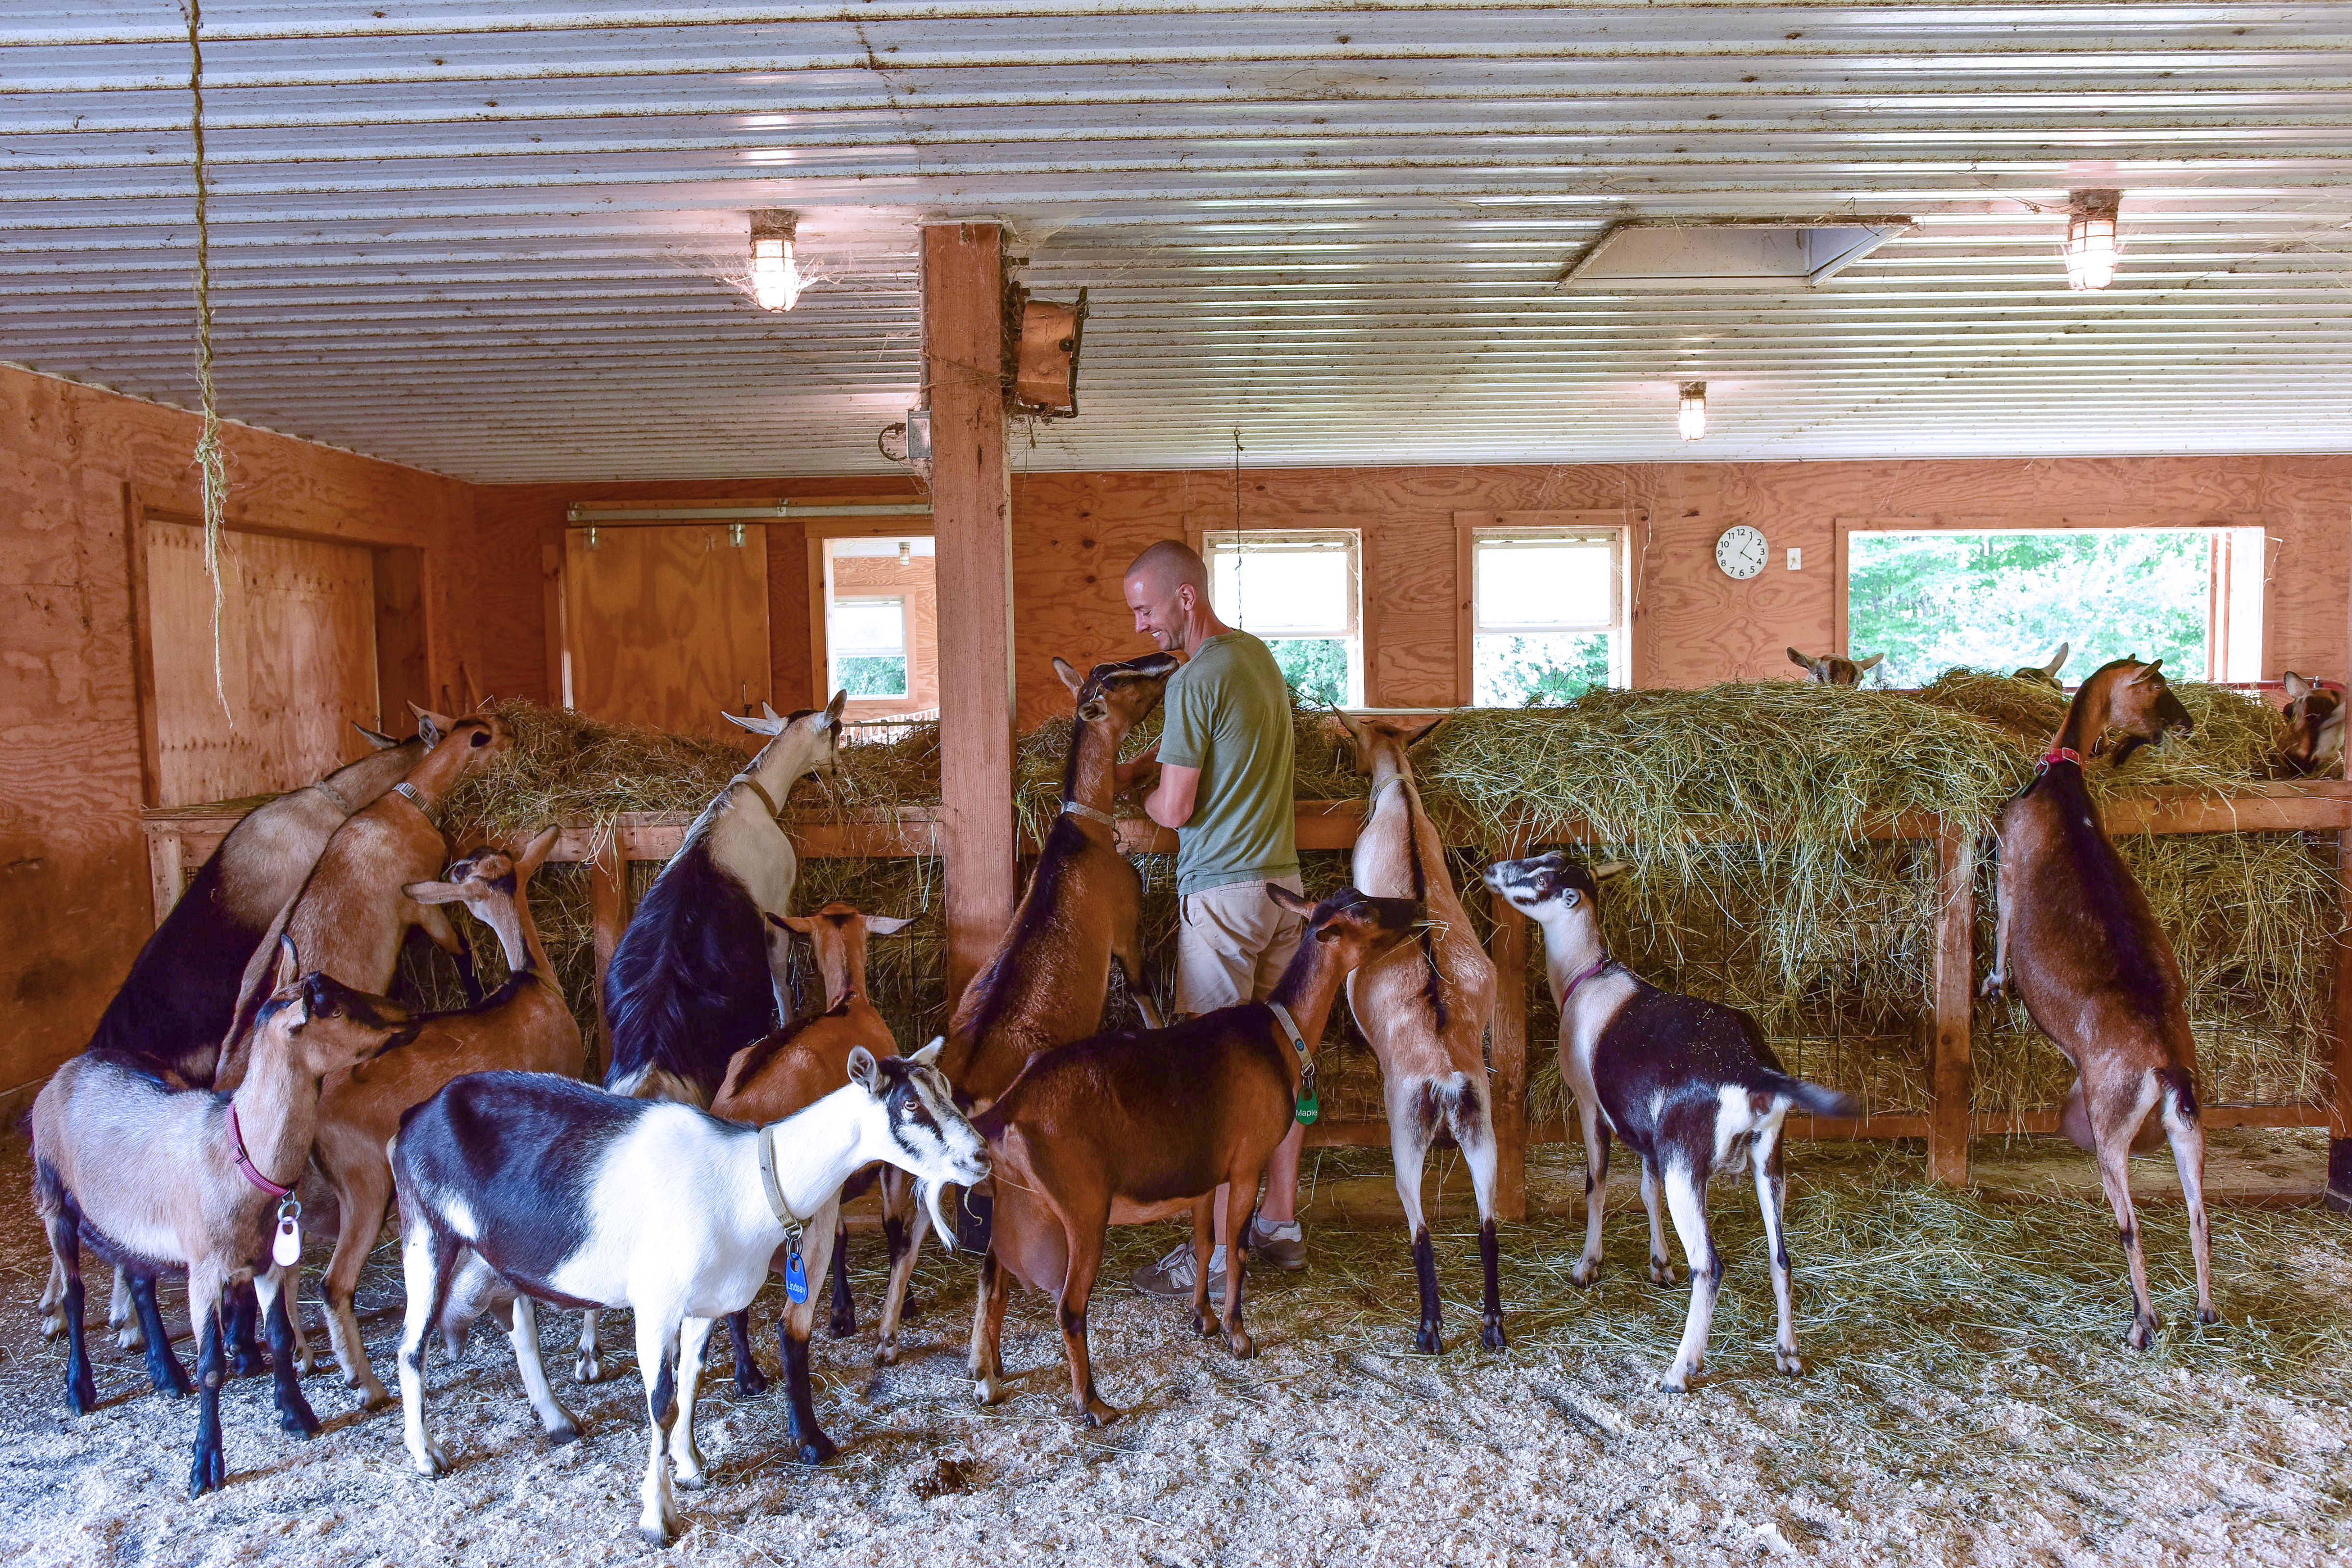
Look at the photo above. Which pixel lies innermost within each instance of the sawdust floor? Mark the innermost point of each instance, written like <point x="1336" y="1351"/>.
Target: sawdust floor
<point x="1968" y="1400"/>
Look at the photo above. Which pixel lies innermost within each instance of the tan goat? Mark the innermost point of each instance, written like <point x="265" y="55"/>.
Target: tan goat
<point x="157" y="1179"/>
<point x="351" y="915"/>
<point x="524" y="1026"/>
<point x="1425" y="1005"/>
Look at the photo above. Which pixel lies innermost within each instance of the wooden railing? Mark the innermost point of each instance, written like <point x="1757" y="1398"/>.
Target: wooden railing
<point x="179" y="839"/>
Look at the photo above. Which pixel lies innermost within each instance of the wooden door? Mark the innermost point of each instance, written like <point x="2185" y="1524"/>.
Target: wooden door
<point x="666" y="626"/>
<point x="297" y="660"/>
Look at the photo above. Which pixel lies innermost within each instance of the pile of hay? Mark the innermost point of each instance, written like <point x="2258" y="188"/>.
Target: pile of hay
<point x="1742" y="807"/>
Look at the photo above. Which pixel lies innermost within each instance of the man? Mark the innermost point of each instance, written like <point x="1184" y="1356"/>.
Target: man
<point x="1224" y="766"/>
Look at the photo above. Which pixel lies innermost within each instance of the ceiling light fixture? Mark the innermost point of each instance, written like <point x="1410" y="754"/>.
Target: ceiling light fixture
<point x="2091" y="238"/>
<point x="775" y="275"/>
<point x="1693" y="410"/>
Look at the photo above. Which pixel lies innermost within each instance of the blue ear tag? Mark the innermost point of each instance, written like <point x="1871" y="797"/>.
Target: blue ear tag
<point x="795" y="1274"/>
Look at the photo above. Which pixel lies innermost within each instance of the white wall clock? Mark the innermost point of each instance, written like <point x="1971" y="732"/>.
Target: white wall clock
<point x="1740" y="552"/>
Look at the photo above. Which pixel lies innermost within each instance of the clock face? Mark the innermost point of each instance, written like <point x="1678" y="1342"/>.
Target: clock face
<point x="1740" y="552"/>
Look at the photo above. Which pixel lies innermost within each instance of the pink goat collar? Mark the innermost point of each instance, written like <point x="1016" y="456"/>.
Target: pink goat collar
<point x="244" y="1164"/>
<point x="2058" y="754"/>
<point x="1568" y="990"/>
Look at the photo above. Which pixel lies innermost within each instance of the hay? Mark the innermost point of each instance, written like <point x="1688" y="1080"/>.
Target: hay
<point x="1743" y="808"/>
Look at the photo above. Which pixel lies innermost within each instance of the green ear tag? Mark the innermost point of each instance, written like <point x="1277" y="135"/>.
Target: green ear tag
<point x="1307" y="1109"/>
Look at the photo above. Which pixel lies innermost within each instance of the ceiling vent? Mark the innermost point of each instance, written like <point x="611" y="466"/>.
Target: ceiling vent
<point x="1646" y="256"/>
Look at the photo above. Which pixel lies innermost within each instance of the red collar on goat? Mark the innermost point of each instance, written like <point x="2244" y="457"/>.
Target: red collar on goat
<point x="2057" y="754"/>
<point x="245" y="1165"/>
<point x="1568" y="990"/>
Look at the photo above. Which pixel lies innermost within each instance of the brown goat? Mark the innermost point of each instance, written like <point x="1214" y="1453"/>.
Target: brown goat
<point x="1144" y="1125"/>
<point x="2045" y="674"/>
<point x="800" y="1064"/>
<point x="1050" y="976"/>
<point x="1830" y="670"/>
<point x="157" y="1179"/>
<point x="524" y="1026"/>
<point x="2074" y="934"/>
<point x="1426" y="1010"/>
<point x="2313" y="740"/>
<point x="351" y="915"/>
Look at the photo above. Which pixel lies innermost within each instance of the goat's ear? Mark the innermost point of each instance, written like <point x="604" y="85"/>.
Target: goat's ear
<point x="1870" y="663"/>
<point x="1426" y="730"/>
<point x="757" y="726"/>
<point x="2151" y="668"/>
<point x="769" y="713"/>
<point x="832" y="709"/>
<point x="930" y="1055"/>
<point x="1288" y="899"/>
<point x="434" y="892"/>
<point x="430" y="726"/>
<point x="1070" y="676"/>
<point x="1609" y="868"/>
<point x="2297" y="687"/>
<point x="1355" y="731"/>
<point x="1799" y="660"/>
<point x="2058" y="660"/>
<point x="289" y="963"/>
<point x="535" y="853"/>
<point x="376" y="737"/>
<point x="886" y="925"/>
<point x="786" y="922"/>
<point x="864" y="1071"/>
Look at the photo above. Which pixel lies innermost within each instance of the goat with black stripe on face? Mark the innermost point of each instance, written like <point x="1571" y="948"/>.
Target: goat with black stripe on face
<point x="1690" y="1084"/>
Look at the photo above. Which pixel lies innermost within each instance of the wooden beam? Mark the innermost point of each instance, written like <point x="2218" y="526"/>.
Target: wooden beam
<point x="167" y="875"/>
<point x="1507" y="1038"/>
<point x="1949" y="1071"/>
<point x="2340" y="1131"/>
<point x="608" y="915"/>
<point x="972" y="520"/>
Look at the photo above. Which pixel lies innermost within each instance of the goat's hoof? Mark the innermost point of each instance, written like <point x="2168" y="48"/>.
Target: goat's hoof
<point x="816" y="1450"/>
<point x="587" y="1369"/>
<point x="209" y="1473"/>
<point x="1994" y="985"/>
<point x="1586" y="1271"/>
<point x="563" y="1435"/>
<point x="1491" y="1337"/>
<point x="52" y="1325"/>
<point x="170" y="1381"/>
<point x="1097" y="1414"/>
<point x="1206" y="1325"/>
<point x="1662" y="1272"/>
<point x="2208" y="1316"/>
<point x="1788" y="1361"/>
<point x="1426" y="1340"/>
<point x="299" y="1419"/>
<point x="429" y="1460"/>
<point x="887" y="1353"/>
<point x="987" y="1389"/>
<point x="247" y="1363"/>
<point x="81" y="1395"/>
<point x="373" y="1395"/>
<point x="126" y="1338"/>
<point x="751" y="1381"/>
<point x="1241" y="1344"/>
<point x="1677" y="1381"/>
<point x="842" y="1326"/>
<point x="2143" y="1333"/>
<point x="688" y="1476"/>
<point x="909" y="1309"/>
<point x="658" y="1531"/>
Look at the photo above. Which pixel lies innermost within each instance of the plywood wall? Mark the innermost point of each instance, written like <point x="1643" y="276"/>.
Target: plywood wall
<point x="74" y="461"/>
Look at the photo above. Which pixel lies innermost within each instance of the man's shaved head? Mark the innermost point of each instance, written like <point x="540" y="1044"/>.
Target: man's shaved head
<point x="1170" y="564"/>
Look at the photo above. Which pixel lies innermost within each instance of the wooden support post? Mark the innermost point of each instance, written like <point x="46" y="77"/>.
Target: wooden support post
<point x="608" y="917"/>
<point x="1952" y="1083"/>
<point x="972" y="520"/>
<point x="1509" y="1036"/>
<point x="167" y="873"/>
<point x="2339" y="1133"/>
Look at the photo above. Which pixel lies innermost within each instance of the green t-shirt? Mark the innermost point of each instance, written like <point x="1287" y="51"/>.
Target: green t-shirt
<point x="1228" y="714"/>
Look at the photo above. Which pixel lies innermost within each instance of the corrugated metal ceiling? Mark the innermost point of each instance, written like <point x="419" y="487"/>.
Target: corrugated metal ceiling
<point x="506" y="241"/>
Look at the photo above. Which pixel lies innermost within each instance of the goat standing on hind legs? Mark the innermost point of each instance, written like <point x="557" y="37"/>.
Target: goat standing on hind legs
<point x="1138" y="1126"/>
<point x="1690" y="1085"/>
<point x="793" y="1068"/>
<point x="2076" y="938"/>
<point x="157" y="1179"/>
<point x="1425" y="1009"/>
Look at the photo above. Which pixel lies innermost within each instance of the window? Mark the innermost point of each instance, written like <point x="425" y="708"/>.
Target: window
<point x="1301" y="593"/>
<point x="1547" y="615"/>
<point x="1999" y="599"/>
<point x="868" y="643"/>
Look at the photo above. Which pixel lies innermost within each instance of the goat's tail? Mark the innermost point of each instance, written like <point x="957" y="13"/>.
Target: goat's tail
<point x="1815" y="1100"/>
<point x="1455" y="1104"/>
<point x="2176" y="1094"/>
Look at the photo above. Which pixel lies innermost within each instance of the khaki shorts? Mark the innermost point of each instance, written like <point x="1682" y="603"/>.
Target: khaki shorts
<point x="1231" y="944"/>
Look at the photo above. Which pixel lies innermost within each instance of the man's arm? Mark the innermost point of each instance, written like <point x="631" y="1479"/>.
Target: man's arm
<point x="1170" y="802"/>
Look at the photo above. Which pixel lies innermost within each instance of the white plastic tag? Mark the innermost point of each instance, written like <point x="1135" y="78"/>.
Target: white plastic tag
<point x="286" y="1250"/>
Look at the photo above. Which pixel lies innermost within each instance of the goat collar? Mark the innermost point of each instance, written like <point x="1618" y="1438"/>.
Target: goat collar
<point x="1079" y="808"/>
<point x="407" y="792"/>
<point x="2057" y="754"/>
<point x="774" y="1188"/>
<point x="331" y="792"/>
<point x="1596" y="966"/>
<point x="1383" y="788"/>
<point x="1306" y="1107"/>
<point x="244" y="1164"/>
<point x="748" y="782"/>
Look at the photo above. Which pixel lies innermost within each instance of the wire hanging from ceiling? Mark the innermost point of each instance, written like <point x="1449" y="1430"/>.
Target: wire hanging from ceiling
<point x="211" y="458"/>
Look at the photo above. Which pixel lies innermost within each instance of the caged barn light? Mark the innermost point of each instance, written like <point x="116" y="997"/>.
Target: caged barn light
<point x="2091" y="238"/>
<point x="775" y="274"/>
<point x="1691" y="410"/>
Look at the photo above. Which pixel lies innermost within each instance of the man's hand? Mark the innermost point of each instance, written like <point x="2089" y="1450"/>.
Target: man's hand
<point x="1143" y="771"/>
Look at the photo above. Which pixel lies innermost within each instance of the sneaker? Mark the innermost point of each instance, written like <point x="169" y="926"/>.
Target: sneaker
<point x="1172" y="1275"/>
<point x="1282" y="1243"/>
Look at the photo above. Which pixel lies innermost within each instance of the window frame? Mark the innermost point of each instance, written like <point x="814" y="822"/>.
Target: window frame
<point x="1620" y="525"/>
<point x="2223" y="616"/>
<point x="1208" y="540"/>
<point x="905" y="653"/>
<point x="817" y="532"/>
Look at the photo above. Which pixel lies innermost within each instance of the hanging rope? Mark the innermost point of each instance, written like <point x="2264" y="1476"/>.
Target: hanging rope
<point x="211" y="460"/>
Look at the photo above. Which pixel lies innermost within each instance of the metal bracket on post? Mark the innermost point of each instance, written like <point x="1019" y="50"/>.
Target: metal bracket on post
<point x="735" y="534"/>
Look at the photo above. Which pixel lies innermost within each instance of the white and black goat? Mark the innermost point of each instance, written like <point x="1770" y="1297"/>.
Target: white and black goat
<point x="1689" y="1084"/>
<point x="524" y="1187"/>
<point x="699" y="974"/>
